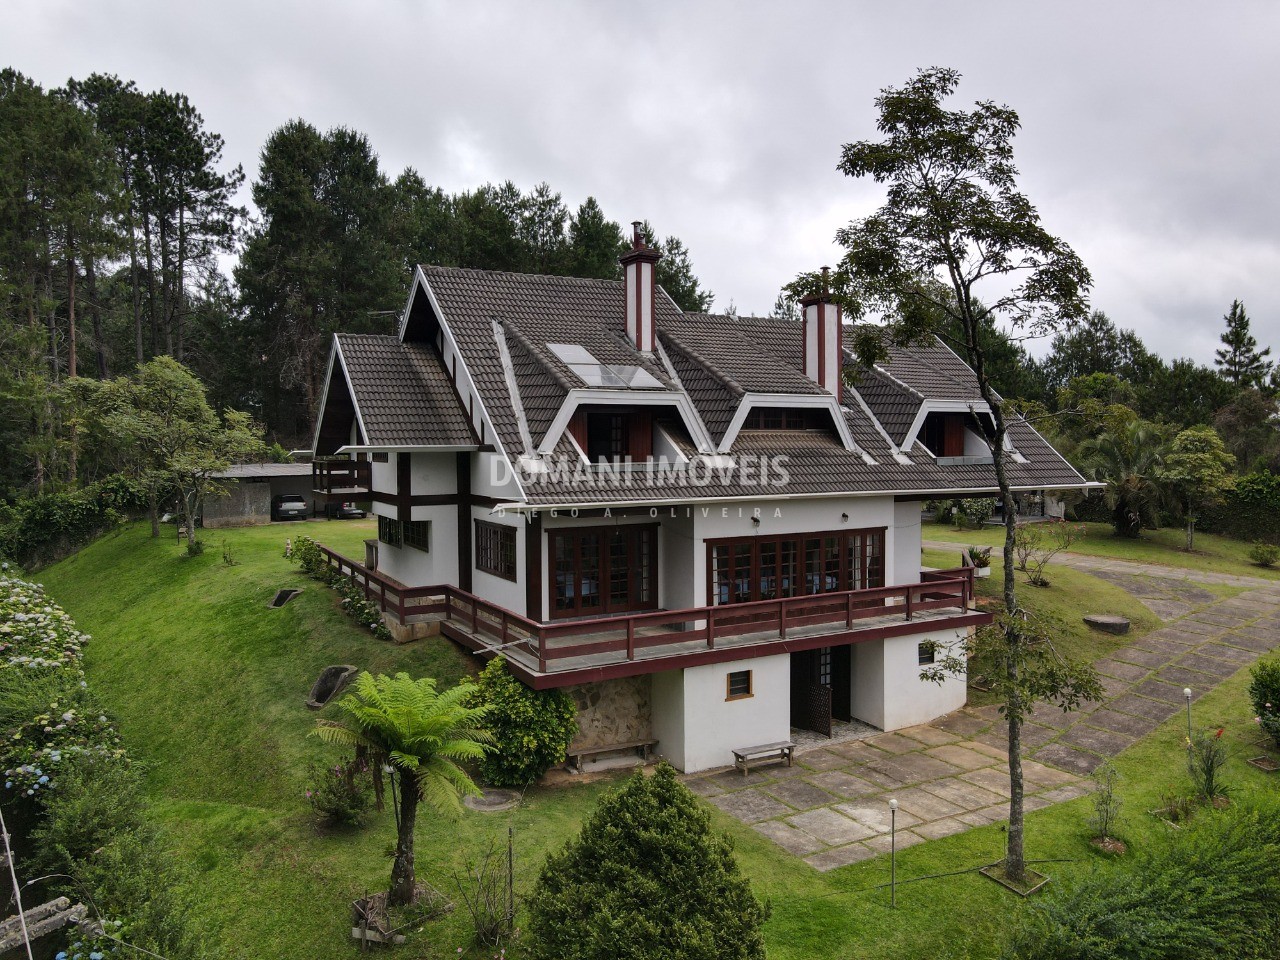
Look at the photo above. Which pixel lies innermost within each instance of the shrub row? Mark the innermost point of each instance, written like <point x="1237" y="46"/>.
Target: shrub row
<point x="1250" y="512"/>
<point x="1212" y="889"/>
<point x="306" y="553"/>
<point x="42" y="529"/>
<point x="68" y="779"/>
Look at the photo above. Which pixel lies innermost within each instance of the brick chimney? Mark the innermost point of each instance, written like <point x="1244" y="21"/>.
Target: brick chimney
<point x="638" y="281"/>
<point x="823" y="335"/>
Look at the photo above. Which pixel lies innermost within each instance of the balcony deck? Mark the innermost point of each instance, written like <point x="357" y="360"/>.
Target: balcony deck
<point x="341" y="479"/>
<point x="560" y="653"/>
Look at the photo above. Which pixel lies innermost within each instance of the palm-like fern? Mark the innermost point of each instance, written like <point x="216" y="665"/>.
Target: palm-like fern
<point x="419" y="735"/>
<point x="1130" y="461"/>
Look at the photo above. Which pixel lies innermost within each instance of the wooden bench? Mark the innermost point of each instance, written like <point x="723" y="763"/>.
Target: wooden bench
<point x="744" y="757"/>
<point x="643" y="749"/>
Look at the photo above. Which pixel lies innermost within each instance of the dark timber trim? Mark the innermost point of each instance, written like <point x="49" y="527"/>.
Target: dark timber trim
<point x="404" y="491"/>
<point x="533" y="568"/>
<point x="465" y="499"/>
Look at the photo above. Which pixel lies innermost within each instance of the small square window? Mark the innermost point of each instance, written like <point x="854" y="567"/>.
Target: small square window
<point x="738" y="685"/>
<point x="926" y="652"/>
<point x="417" y="534"/>
<point x="381" y="457"/>
<point x="390" y="531"/>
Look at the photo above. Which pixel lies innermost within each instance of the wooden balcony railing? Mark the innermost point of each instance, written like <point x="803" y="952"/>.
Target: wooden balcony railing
<point x="500" y="628"/>
<point x="341" y="476"/>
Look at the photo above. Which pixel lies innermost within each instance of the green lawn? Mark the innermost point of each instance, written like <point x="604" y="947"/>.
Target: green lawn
<point x="1165" y="546"/>
<point x="208" y="686"/>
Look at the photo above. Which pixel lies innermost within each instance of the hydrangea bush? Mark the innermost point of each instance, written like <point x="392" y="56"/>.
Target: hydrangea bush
<point x="306" y="553"/>
<point x="52" y="718"/>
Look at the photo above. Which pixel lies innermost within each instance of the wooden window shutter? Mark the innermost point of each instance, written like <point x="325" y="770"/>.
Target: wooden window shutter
<point x="578" y="428"/>
<point x="953" y="437"/>
<point x="640" y="439"/>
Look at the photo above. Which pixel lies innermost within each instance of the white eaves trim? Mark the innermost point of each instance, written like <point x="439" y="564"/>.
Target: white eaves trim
<point x="591" y="396"/>
<point x="811" y="401"/>
<point x="335" y="354"/>
<point x="465" y="384"/>
<point x="942" y="406"/>
<point x="408" y="448"/>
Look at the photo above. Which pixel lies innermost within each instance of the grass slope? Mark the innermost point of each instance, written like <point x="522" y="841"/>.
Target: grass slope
<point x="1165" y="546"/>
<point x="208" y="685"/>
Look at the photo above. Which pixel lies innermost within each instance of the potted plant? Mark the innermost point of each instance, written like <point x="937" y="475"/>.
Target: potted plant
<point x="980" y="560"/>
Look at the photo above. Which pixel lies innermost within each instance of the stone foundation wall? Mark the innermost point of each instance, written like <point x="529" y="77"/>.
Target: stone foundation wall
<point x="613" y="711"/>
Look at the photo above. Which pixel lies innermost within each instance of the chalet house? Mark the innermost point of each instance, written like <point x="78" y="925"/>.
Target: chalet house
<point x="693" y="522"/>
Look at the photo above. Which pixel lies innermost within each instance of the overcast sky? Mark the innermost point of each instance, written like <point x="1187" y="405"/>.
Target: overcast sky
<point x="1150" y="139"/>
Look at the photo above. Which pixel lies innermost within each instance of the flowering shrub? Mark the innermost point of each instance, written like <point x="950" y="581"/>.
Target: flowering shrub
<point x="306" y="553"/>
<point x="340" y="792"/>
<point x="50" y="718"/>
<point x="1264" y="692"/>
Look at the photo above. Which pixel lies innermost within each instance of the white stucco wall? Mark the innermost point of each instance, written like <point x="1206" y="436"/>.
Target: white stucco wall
<point x="887" y="689"/>
<point x="697" y="727"/>
<point x="868" y="687"/>
<point x="499" y="590"/>
<point x="906" y="542"/>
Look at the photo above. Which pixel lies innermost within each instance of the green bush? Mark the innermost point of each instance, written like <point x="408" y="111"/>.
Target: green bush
<point x="1264" y="693"/>
<point x="1264" y="554"/>
<point x="341" y="792"/>
<point x="1249" y="512"/>
<point x="41" y="529"/>
<point x="531" y="729"/>
<point x="646" y="878"/>
<point x="1206" y="756"/>
<point x="1210" y="890"/>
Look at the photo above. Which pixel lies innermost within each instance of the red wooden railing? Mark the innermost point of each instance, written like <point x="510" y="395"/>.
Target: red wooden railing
<point x="938" y="589"/>
<point x="330" y="475"/>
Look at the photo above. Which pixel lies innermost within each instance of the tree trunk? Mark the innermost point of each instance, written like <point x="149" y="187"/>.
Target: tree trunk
<point x="95" y="309"/>
<point x="151" y="285"/>
<point x="133" y="269"/>
<point x="153" y="514"/>
<point x="180" y="294"/>
<point x="403" y="881"/>
<point x="1191" y="532"/>
<point x="72" y="364"/>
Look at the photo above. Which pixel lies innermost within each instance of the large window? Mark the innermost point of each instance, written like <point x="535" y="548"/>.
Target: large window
<point x="496" y="549"/>
<point x="599" y="570"/>
<point x="943" y="434"/>
<point x="390" y="531"/>
<point x="612" y="433"/>
<point x="786" y="418"/>
<point x="743" y="569"/>
<point x="417" y="534"/>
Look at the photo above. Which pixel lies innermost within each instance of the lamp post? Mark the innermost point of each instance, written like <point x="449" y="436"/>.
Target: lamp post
<point x="893" y="854"/>
<point x="1186" y="692"/>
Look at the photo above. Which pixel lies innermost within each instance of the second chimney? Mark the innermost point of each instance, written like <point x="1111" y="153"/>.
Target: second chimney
<point x="823" y="335"/>
<point x="638" y="265"/>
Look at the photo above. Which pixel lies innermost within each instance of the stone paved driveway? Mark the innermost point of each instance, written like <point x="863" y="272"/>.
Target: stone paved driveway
<point x="832" y="809"/>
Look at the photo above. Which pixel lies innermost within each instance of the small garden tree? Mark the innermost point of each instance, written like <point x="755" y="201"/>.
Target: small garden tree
<point x="1198" y="472"/>
<point x="647" y="879"/>
<point x="420" y="735"/>
<point x="1264" y="694"/>
<point x="1037" y="543"/>
<point x="1130" y="461"/>
<point x="531" y="729"/>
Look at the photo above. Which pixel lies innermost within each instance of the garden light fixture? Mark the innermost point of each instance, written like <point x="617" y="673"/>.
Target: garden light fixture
<point x="893" y="853"/>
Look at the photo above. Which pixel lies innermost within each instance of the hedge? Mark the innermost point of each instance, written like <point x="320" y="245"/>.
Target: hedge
<point x="39" y="530"/>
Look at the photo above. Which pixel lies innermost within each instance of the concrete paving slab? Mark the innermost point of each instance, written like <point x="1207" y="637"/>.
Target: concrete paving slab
<point x="1105" y="742"/>
<point x="985" y="816"/>
<point x="875" y="815"/>
<point x="799" y="793"/>
<point x="903" y="839"/>
<point x="1178" y="633"/>
<point x="892" y="743"/>
<point x="929" y="735"/>
<point x="1158" y="710"/>
<point x="995" y="753"/>
<point x="961" y="724"/>
<point x="1040" y="777"/>
<point x="840" y="857"/>
<point x="1070" y="792"/>
<point x="704" y="787"/>
<point x="1221" y="651"/>
<point x="885" y="781"/>
<point x="789" y="838"/>
<point x="821" y="759"/>
<point x="938" y="829"/>
<point x="1210" y="665"/>
<point x="1047" y="715"/>
<point x="996" y="781"/>
<point x="961" y="755"/>
<point x="735" y="780"/>
<point x="925" y="806"/>
<point x="857" y="751"/>
<point x="1192" y="625"/>
<point x="1250" y="640"/>
<point x="750" y="805"/>
<point x="920" y="766"/>
<point x="1125" y="723"/>
<point x="1159" y="691"/>
<point x="1166" y="646"/>
<point x="1068" y="758"/>
<point x="1143" y="658"/>
<point x="1126" y="671"/>
<point x="844" y="785"/>
<point x="831" y="827"/>
<point x="1200" y="683"/>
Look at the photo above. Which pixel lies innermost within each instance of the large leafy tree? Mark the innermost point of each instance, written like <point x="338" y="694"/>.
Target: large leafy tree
<point x="1198" y="468"/>
<point x="1240" y="360"/>
<point x="1129" y="460"/>
<point x="955" y="225"/>
<point x="646" y="878"/>
<point x="1097" y="346"/>
<point x="421" y="735"/>
<point x="321" y="259"/>
<point x="1248" y="425"/>
<point x="1184" y="393"/>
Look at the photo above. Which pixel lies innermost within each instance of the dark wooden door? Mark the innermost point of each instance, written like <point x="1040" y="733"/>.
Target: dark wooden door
<point x="811" y="690"/>
<point x="841" y="682"/>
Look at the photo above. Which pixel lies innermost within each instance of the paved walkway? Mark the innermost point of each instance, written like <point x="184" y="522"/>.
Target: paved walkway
<point x="831" y="808"/>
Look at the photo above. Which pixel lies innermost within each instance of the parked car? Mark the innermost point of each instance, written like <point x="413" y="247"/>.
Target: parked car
<point x="345" y="511"/>
<point x="289" y="506"/>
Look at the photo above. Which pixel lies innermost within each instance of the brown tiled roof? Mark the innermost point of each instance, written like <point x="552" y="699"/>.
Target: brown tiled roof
<point x="716" y="360"/>
<point x="404" y="394"/>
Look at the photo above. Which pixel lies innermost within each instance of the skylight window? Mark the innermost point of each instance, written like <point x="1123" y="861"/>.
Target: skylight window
<point x="596" y="374"/>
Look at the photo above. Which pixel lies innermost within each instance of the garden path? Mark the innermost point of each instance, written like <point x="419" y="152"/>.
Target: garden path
<point x="831" y="808"/>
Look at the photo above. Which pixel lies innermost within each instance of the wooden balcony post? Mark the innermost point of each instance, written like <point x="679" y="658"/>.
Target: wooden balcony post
<point x="475" y="615"/>
<point x="848" y="611"/>
<point x="910" y="593"/>
<point x="542" y="651"/>
<point x="382" y="592"/>
<point x="631" y="638"/>
<point x="711" y="628"/>
<point x="782" y="618"/>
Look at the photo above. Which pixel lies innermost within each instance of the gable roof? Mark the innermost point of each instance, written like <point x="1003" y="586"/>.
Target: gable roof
<point x="504" y="327"/>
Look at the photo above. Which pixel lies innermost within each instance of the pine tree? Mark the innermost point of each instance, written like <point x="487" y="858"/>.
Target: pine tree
<point x="595" y="243"/>
<point x="1240" y="360"/>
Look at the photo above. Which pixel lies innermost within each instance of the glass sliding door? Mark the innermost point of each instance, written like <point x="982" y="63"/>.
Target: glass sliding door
<point x="603" y="570"/>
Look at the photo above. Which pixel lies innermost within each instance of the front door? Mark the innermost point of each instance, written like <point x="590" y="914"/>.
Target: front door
<point x="821" y="688"/>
